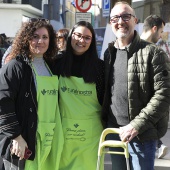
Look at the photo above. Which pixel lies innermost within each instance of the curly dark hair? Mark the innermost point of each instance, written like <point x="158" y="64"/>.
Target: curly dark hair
<point x="20" y="45"/>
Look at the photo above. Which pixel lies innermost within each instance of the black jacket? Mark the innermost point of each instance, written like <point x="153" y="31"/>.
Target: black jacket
<point x="18" y="105"/>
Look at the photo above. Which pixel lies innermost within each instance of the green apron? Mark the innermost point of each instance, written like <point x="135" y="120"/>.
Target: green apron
<point x="49" y="136"/>
<point x="81" y="123"/>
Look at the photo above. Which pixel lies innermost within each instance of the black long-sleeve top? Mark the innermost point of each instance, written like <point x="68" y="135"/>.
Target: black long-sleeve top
<point x="76" y="70"/>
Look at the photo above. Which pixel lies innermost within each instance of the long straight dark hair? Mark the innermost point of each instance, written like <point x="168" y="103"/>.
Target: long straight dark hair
<point x="89" y="70"/>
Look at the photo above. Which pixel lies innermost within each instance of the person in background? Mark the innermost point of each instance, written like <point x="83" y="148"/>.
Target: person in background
<point x="2" y="47"/>
<point x="3" y="42"/>
<point x="137" y="91"/>
<point x="61" y="36"/>
<point x="152" y="30"/>
<point x="6" y="57"/>
<point x="81" y="90"/>
<point x="1" y="55"/>
<point x="29" y="111"/>
<point x="61" y="41"/>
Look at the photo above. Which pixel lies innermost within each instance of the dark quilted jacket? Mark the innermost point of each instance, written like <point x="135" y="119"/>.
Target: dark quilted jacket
<point x="148" y="87"/>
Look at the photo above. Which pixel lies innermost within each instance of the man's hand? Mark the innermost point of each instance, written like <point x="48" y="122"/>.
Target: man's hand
<point x="127" y="133"/>
<point x="18" y="147"/>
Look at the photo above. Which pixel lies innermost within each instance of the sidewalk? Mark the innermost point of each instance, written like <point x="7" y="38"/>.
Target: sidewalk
<point x="160" y="164"/>
<point x="164" y="164"/>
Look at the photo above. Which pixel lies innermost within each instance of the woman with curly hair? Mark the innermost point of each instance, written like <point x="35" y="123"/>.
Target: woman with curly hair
<point x="31" y="135"/>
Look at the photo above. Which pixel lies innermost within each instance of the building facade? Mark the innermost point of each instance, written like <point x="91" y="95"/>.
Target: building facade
<point x="14" y="12"/>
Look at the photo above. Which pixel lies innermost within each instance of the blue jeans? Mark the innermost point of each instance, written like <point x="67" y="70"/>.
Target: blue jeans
<point x="141" y="155"/>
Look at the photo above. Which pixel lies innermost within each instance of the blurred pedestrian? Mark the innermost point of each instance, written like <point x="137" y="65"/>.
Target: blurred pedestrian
<point x="3" y="41"/>
<point x="152" y="32"/>
<point x="152" y="28"/>
<point x="61" y="36"/>
<point x="2" y="48"/>
<point x="6" y="56"/>
<point x="61" y="41"/>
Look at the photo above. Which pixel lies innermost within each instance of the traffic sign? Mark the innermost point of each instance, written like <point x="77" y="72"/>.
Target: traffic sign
<point x="83" y="5"/>
<point x="106" y="8"/>
<point x="81" y="16"/>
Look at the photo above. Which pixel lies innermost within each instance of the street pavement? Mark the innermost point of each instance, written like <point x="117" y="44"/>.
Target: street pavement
<point x="164" y="163"/>
<point x="160" y="164"/>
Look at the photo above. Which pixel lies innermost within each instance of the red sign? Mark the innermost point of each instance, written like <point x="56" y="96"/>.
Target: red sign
<point x="83" y="5"/>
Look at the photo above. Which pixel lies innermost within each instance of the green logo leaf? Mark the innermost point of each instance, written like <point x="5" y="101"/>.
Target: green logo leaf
<point x="76" y="125"/>
<point x="43" y="91"/>
<point x="63" y="88"/>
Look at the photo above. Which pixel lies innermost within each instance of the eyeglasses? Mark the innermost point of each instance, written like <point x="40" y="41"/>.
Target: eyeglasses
<point x="79" y="36"/>
<point x="125" y="17"/>
<point x="59" y="37"/>
<point x="39" y="19"/>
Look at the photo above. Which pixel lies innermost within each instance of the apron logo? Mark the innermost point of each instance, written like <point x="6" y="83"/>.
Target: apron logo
<point x="63" y="88"/>
<point x="49" y="92"/>
<point x="76" y="92"/>
<point x="76" y="125"/>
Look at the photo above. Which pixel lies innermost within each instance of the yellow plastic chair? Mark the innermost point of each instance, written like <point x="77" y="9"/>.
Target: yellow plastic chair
<point x="111" y="143"/>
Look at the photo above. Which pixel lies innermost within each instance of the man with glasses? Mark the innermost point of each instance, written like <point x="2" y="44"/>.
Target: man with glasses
<point x="152" y="30"/>
<point x="137" y="98"/>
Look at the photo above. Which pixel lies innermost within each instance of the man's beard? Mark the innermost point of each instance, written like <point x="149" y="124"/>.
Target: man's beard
<point x="121" y="35"/>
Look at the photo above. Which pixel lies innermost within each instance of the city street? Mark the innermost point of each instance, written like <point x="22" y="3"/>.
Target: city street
<point x="164" y="164"/>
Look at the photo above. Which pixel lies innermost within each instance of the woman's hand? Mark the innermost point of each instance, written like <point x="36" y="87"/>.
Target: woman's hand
<point x="18" y="147"/>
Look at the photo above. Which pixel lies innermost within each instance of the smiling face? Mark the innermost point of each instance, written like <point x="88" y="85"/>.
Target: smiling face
<point x="123" y="29"/>
<point x="81" y="40"/>
<point x="38" y="45"/>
